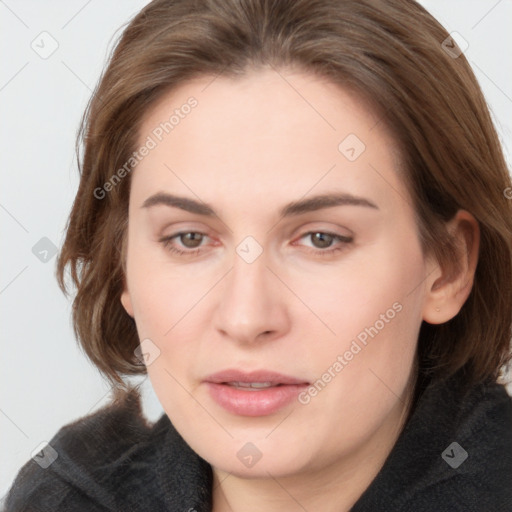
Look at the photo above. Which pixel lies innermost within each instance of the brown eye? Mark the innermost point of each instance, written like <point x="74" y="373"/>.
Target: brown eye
<point x="186" y="243"/>
<point x="321" y="240"/>
<point x="322" y="243"/>
<point x="191" y="240"/>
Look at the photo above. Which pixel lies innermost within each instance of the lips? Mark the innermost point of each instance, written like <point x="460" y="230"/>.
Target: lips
<point x="228" y="376"/>
<point x="256" y="393"/>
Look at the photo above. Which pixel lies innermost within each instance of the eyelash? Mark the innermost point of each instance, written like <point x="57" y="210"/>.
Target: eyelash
<point x="345" y="240"/>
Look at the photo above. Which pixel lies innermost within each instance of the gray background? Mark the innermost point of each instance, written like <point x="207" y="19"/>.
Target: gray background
<point x="45" y="380"/>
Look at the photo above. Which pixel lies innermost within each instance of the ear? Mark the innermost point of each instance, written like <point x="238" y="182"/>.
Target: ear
<point x="126" y="301"/>
<point x="447" y="292"/>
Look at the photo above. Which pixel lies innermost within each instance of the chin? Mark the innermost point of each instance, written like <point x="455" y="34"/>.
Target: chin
<point x="257" y="459"/>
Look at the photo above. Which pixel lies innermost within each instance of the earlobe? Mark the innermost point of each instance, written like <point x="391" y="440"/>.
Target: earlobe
<point x="447" y="292"/>
<point x="126" y="301"/>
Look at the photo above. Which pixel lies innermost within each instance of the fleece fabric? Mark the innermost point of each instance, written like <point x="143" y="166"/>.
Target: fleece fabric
<point x="454" y="454"/>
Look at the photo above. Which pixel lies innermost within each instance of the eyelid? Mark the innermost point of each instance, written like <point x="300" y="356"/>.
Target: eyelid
<point x="176" y="236"/>
<point x="342" y="242"/>
<point x="325" y="232"/>
<point x="322" y="227"/>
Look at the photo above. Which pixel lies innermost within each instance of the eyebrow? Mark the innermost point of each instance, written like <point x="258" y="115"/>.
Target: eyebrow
<point x="299" y="207"/>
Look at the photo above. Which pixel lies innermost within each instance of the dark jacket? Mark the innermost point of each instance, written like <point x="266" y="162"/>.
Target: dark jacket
<point x="454" y="454"/>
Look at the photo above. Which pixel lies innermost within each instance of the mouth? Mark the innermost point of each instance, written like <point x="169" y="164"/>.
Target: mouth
<point x="257" y="393"/>
<point x="251" y="386"/>
<point x="257" y="378"/>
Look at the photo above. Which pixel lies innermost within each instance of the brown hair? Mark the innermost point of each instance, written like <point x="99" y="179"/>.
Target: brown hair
<point x="390" y="52"/>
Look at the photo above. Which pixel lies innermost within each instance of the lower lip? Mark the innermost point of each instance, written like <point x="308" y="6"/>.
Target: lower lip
<point x="254" y="403"/>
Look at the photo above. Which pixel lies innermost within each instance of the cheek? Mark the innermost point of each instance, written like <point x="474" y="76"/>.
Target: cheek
<point x="374" y="310"/>
<point x="361" y="373"/>
<point x="162" y="294"/>
<point x="367" y="290"/>
<point x="167" y="311"/>
<point x="168" y="304"/>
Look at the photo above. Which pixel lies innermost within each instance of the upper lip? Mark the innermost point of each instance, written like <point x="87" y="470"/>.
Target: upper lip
<point x="234" y="375"/>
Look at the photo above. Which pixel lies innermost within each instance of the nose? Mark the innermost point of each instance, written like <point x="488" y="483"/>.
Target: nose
<point x="252" y="303"/>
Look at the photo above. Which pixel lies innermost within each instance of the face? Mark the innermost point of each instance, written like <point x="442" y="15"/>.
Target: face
<point x="274" y="272"/>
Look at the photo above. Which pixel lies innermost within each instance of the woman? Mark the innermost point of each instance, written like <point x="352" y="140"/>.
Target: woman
<point x="293" y="216"/>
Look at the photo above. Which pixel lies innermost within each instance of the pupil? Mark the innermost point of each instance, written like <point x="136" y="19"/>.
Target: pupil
<point x="323" y="238"/>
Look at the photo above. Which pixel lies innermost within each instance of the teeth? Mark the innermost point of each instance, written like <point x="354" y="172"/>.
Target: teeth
<point x="249" y="385"/>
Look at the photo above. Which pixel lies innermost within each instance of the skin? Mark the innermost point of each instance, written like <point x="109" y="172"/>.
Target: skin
<point x="252" y="145"/>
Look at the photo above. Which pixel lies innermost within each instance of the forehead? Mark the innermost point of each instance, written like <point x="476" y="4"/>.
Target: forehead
<point x="264" y="100"/>
<point x="264" y="132"/>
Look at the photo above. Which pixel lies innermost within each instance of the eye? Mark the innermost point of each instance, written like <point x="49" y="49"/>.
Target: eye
<point x="190" y="242"/>
<point x="323" y="242"/>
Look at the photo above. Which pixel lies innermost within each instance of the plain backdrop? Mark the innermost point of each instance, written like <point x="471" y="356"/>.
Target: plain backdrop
<point x="45" y="380"/>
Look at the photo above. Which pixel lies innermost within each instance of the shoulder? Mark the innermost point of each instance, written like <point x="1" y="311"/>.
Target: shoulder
<point x="481" y="416"/>
<point x="473" y="444"/>
<point x="454" y="453"/>
<point x="469" y="447"/>
<point x="89" y="458"/>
